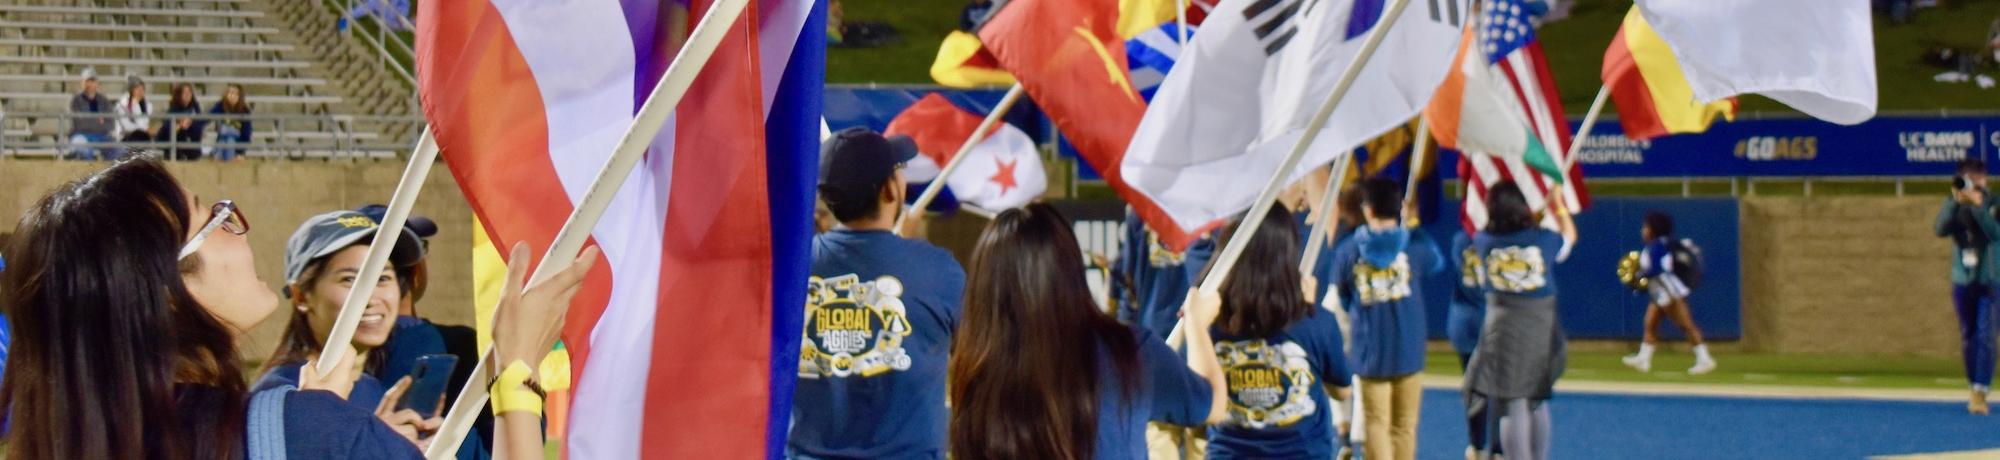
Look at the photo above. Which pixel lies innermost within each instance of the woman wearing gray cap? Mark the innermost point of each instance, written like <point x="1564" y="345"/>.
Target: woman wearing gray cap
<point x="322" y="259"/>
<point x="130" y="296"/>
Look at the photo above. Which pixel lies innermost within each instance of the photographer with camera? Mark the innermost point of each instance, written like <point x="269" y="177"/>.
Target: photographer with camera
<point x="1968" y="218"/>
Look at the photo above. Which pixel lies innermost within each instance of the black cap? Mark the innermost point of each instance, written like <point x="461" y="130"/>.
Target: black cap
<point x="859" y="160"/>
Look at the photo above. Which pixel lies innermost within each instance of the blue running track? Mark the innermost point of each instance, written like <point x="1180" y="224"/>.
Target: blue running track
<point x="1608" y="426"/>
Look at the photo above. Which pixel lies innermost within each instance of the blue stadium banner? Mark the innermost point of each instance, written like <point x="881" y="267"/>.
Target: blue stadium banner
<point x="1884" y="146"/>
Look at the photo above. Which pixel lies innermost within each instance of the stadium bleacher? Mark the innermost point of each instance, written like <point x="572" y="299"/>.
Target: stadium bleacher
<point x="316" y="89"/>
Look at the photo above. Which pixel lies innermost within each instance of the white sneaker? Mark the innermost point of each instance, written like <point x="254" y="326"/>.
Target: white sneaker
<point x="1702" y="366"/>
<point x="1642" y="363"/>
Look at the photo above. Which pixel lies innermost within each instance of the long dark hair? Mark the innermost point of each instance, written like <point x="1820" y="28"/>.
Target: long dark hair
<point x="176" y="102"/>
<point x="241" y="105"/>
<point x="1261" y="297"/>
<point x="112" y="356"/>
<point x="1024" y="364"/>
<point x="1507" y="209"/>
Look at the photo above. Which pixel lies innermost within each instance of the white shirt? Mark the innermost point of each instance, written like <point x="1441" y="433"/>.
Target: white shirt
<point x="133" y="116"/>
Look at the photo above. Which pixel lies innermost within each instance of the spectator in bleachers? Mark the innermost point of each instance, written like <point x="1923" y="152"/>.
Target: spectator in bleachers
<point x="185" y="131"/>
<point x="229" y="133"/>
<point x="135" y="114"/>
<point x="84" y="129"/>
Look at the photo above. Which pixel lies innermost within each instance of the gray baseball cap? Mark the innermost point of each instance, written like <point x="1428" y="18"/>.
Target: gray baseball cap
<point x="325" y="234"/>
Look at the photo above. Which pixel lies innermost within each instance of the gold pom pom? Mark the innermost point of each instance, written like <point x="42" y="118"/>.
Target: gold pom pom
<point x="1628" y="271"/>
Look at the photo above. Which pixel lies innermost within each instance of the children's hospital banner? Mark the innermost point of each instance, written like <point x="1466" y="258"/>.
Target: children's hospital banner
<point x="1887" y="145"/>
<point x="1884" y="146"/>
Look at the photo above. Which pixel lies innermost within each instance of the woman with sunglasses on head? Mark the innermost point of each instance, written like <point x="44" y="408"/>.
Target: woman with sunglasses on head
<point x="131" y="296"/>
<point x="1038" y="372"/>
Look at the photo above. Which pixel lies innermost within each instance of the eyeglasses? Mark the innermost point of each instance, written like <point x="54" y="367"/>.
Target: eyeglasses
<point x="224" y="214"/>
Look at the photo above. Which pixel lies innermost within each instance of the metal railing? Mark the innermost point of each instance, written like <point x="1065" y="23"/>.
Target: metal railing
<point x="334" y="135"/>
<point x="383" y="38"/>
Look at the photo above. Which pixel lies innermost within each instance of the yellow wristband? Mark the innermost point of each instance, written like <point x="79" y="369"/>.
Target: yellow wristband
<point x="510" y="393"/>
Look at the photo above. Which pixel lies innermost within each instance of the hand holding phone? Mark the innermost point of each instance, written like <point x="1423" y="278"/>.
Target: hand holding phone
<point x="428" y="379"/>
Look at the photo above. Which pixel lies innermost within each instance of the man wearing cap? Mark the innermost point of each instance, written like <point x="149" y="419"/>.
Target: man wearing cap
<point x="323" y="258"/>
<point x="879" y="315"/>
<point x="86" y="123"/>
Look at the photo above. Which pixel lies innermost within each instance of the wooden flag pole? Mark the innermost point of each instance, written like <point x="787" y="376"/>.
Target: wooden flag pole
<point x="405" y="196"/>
<point x="645" y="126"/>
<point x="1226" y="260"/>
<point x="1329" y="212"/>
<point x="964" y="150"/>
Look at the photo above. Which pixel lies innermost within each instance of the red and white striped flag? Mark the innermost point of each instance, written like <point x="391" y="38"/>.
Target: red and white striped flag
<point x="685" y="336"/>
<point x="1527" y="74"/>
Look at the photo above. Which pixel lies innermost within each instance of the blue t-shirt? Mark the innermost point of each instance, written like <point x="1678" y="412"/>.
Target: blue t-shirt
<point x="412" y="339"/>
<point x="879" y="316"/>
<point x="1158" y="280"/>
<point x="1381" y="272"/>
<point x="1468" y="305"/>
<point x="1168" y="392"/>
<point x="320" y="425"/>
<point x="1657" y="259"/>
<point x="1520" y="263"/>
<point x="367" y="393"/>
<point x="1277" y="391"/>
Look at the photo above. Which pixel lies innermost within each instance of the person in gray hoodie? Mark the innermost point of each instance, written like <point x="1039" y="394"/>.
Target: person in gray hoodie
<point x="87" y="125"/>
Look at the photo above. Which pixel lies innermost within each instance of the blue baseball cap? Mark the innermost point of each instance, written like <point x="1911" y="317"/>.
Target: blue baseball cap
<point x="325" y="234"/>
<point x="423" y="226"/>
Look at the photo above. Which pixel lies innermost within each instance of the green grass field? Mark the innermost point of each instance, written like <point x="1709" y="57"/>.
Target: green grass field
<point x="1757" y="369"/>
<point x="1575" y="48"/>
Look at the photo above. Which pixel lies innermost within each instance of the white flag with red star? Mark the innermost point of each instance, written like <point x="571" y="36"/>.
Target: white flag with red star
<point x="1002" y="171"/>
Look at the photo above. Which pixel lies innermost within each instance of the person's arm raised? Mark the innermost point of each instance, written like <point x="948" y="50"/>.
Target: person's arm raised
<point x="525" y="327"/>
<point x="1201" y="312"/>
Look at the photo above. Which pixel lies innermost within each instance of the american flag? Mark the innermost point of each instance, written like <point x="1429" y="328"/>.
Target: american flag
<point x="1507" y="36"/>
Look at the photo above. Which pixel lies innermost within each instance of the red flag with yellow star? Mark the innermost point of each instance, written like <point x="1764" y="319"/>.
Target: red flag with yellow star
<point x="1069" y="56"/>
<point x="1002" y="171"/>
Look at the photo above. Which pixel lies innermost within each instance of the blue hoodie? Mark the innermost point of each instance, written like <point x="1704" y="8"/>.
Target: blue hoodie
<point x="1380" y="270"/>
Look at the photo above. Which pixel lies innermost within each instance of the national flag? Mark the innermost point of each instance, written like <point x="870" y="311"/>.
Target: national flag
<point x="1503" y="57"/>
<point x="1817" y="56"/>
<point x="1149" y="27"/>
<point x="1071" y="61"/>
<point x="693" y="313"/>
<point x="962" y="62"/>
<point x="1646" y="82"/>
<point x="1004" y="170"/>
<point x="1151" y="56"/>
<point x="1234" y="107"/>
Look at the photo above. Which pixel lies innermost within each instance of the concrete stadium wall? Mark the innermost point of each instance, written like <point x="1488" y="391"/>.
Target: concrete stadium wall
<point x="1824" y="275"/>
<point x="277" y="196"/>
<point x="1846" y="275"/>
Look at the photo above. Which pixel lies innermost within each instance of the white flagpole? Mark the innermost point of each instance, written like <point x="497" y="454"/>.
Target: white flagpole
<point x="1329" y="212"/>
<point x="964" y="150"/>
<point x="1226" y="260"/>
<point x="1589" y="121"/>
<point x="1180" y="25"/>
<point x="1417" y="159"/>
<point x="386" y="235"/>
<point x="651" y="118"/>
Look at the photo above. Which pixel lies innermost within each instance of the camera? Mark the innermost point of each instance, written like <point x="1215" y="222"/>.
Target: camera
<point x="1960" y="182"/>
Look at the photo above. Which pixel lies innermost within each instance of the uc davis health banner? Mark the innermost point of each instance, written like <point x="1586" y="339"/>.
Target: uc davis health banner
<point x="1884" y="146"/>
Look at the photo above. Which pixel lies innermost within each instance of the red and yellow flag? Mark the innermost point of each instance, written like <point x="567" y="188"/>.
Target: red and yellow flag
<point x="1653" y="96"/>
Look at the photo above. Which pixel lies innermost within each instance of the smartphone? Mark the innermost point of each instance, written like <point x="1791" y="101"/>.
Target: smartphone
<point x="427" y="384"/>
